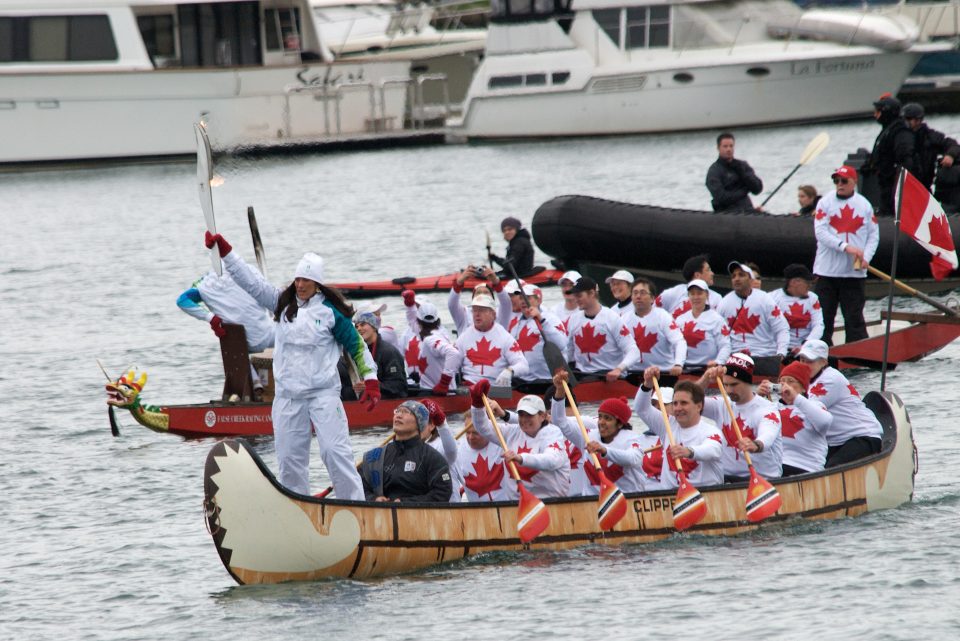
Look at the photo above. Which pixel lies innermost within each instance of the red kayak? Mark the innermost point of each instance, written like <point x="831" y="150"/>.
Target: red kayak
<point x="541" y="277"/>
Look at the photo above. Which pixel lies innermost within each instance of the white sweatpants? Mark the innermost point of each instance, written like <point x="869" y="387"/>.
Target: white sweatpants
<point x="292" y="420"/>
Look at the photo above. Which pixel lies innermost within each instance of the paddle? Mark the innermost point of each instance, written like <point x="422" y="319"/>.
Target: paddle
<point x="690" y="506"/>
<point x="613" y="505"/>
<point x="257" y="243"/>
<point x="489" y="252"/>
<point x="814" y="148"/>
<point x="551" y="353"/>
<point x="532" y="515"/>
<point x="114" y="426"/>
<point x="949" y="311"/>
<point x="204" y="176"/>
<point x="763" y="500"/>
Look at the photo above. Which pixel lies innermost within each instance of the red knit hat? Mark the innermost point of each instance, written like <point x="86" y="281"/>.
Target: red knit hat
<point x="617" y="408"/>
<point x="799" y="371"/>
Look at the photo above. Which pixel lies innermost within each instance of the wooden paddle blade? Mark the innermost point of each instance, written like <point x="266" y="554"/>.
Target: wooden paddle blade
<point x="763" y="500"/>
<point x="532" y="515"/>
<point x="690" y="506"/>
<point x="613" y="504"/>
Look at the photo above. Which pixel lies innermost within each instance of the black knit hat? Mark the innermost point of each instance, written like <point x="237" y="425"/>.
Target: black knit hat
<point x="510" y="221"/>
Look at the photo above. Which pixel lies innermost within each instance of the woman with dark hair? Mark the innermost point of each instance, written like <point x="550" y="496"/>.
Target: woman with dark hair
<point x="519" y="248"/>
<point x="313" y="322"/>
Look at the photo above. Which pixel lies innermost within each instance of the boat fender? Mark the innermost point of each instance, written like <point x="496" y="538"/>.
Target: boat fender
<point x="403" y="280"/>
<point x="372" y="468"/>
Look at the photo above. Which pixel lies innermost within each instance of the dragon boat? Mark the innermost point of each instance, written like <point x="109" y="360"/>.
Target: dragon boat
<point x="235" y="414"/>
<point x="266" y="534"/>
<point x="541" y="276"/>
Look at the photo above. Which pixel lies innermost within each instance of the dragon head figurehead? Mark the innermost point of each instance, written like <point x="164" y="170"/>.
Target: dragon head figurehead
<point x="125" y="391"/>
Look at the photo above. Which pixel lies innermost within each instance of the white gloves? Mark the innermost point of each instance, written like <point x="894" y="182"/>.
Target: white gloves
<point x="505" y="378"/>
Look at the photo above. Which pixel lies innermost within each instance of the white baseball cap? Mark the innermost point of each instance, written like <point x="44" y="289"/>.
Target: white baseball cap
<point x="427" y="312"/>
<point x="512" y="287"/>
<point x="482" y="300"/>
<point x="814" y="349"/>
<point x="532" y="290"/>
<point x="531" y="404"/>
<point x="698" y="283"/>
<point x="621" y="274"/>
<point x="572" y="276"/>
<point x="372" y="308"/>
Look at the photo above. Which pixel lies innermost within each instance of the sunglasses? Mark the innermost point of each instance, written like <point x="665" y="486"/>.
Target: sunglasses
<point x="841" y="181"/>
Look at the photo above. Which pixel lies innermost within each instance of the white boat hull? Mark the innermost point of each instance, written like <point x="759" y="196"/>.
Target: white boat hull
<point x="719" y="96"/>
<point x="87" y="115"/>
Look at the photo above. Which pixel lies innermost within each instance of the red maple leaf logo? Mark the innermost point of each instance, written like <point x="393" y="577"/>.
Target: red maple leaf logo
<point x="940" y="234"/>
<point x="526" y="473"/>
<point x="797" y="317"/>
<point x="692" y="335"/>
<point x="588" y="341"/>
<point x="573" y="453"/>
<point x="846" y="223"/>
<point x="820" y="214"/>
<point x="653" y="461"/>
<point x="644" y="341"/>
<point x="818" y="390"/>
<point x="853" y="390"/>
<point x="613" y="471"/>
<point x="688" y="464"/>
<point x="790" y="422"/>
<point x="682" y="309"/>
<point x="730" y="434"/>
<point x="513" y="323"/>
<point x="483" y="354"/>
<point x="412" y="355"/>
<point x="487" y="479"/>
<point x="744" y="322"/>
<point x="527" y="340"/>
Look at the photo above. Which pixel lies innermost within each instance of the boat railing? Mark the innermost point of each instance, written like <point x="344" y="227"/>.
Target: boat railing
<point x="327" y="94"/>
<point x="397" y="81"/>
<point x="422" y="112"/>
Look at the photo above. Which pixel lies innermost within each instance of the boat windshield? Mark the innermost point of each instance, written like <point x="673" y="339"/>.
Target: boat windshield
<point x="713" y="24"/>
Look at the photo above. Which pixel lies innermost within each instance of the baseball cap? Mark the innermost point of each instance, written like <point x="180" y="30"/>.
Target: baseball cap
<point x="512" y="287"/>
<point x="532" y="290"/>
<point x="584" y="284"/>
<point x="845" y="171"/>
<point x="621" y="274"/>
<point x="699" y="283"/>
<point x="732" y="265"/>
<point x="814" y="349"/>
<point x="481" y="300"/>
<point x="572" y="276"/>
<point x="427" y="312"/>
<point x="531" y="404"/>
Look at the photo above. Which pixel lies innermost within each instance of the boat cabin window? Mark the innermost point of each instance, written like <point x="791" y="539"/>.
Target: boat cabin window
<point x="527" y="80"/>
<point x="635" y="27"/>
<point x="223" y="34"/>
<point x="559" y="77"/>
<point x="84" y="38"/>
<point x="159" y="38"/>
<point x="526" y="10"/>
<point x="282" y="29"/>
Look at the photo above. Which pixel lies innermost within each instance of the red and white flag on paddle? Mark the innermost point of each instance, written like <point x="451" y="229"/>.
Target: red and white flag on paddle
<point x="922" y="218"/>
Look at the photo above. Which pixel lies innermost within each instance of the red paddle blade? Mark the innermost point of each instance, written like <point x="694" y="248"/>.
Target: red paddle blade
<point x="532" y="517"/>
<point x="613" y="505"/>
<point x="690" y="506"/>
<point x="763" y="500"/>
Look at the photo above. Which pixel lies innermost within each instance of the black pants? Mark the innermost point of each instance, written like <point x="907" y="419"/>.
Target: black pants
<point x="789" y="470"/>
<point x="853" y="450"/>
<point x="848" y="294"/>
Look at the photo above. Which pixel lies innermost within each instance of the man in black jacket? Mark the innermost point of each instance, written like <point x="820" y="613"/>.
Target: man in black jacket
<point x="730" y="180"/>
<point x="391" y="369"/>
<point x="519" y="248"/>
<point x="406" y="469"/>
<point x="892" y="149"/>
<point x="930" y="147"/>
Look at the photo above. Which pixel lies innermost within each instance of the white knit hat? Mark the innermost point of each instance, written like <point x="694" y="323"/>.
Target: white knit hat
<point x="310" y="267"/>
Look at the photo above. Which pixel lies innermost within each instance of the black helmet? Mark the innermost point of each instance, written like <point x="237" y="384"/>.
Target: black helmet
<point x="912" y="110"/>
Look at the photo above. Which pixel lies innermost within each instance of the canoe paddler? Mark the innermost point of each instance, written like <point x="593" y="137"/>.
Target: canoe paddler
<point x="407" y="469"/>
<point x="598" y="342"/>
<point x="312" y="323"/>
<point x="487" y="350"/>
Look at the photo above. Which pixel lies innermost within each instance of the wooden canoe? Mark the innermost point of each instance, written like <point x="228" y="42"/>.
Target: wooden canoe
<point x="541" y="277"/>
<point x="267" y="534"/>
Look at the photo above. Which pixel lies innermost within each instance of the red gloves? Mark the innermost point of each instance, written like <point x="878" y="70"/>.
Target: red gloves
<point x="441" y="388"/>
<point x="409" y="297"/>
<point x="437" y="416"/>
<point x="222" y="245"/>
<point x="371" y="394"/>
<point x="497" y="286"/>
<point x="478" y="391"/>
<point x="216" y="324"/>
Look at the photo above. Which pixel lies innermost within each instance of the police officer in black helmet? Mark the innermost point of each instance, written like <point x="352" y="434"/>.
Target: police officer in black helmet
<point x="930" y="147"/>
<point x="892" y="149"/>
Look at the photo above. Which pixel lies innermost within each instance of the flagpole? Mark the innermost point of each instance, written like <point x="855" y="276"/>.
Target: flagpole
<point x="893" y="276"/>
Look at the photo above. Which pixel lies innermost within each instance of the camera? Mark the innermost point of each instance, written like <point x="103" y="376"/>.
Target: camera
<point x="478" y="271"/>
<point x="775" y="388"/>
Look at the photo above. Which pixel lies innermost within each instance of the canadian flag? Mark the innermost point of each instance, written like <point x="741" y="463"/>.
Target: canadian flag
<point x="922" y="218"/>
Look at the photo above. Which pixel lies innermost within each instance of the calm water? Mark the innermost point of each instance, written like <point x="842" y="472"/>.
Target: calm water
<point x="103" y="538"/>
